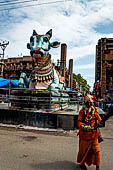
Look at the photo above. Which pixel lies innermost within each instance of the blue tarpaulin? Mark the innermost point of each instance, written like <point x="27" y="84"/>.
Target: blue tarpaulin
<point x="110" y="90"/>
<point x="4" y="82"/>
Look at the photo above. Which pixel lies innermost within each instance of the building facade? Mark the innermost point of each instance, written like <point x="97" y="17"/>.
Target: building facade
<point x="104" y="65"/>
<point x="11" y="68"/>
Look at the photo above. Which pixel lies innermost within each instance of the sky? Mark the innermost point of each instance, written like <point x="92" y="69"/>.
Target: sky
<point x="78" y="23"/>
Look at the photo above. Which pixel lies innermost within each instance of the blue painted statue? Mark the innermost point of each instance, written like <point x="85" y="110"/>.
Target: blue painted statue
<point x="43" y="75"/>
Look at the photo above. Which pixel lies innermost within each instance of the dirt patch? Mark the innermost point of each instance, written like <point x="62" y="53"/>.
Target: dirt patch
<point x="45" y="132"/>
<point x="29" y="138"/>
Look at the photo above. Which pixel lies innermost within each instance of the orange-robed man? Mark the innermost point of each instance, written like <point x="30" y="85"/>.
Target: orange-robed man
<point x="88" y="118"/>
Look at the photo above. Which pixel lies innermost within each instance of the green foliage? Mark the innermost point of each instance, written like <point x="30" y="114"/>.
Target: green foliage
<point x="81" y="81"/>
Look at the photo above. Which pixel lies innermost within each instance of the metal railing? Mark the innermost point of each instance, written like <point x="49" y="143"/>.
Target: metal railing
<point x="38" y="100"/>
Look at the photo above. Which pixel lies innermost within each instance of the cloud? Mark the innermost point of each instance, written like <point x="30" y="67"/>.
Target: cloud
<point x="80" y="52"/>
<point x="88" y="66"/>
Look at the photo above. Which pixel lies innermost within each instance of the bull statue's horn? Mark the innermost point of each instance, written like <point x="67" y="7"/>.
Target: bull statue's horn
<point x="49" y="33"/>
<point x="34" y="32"/>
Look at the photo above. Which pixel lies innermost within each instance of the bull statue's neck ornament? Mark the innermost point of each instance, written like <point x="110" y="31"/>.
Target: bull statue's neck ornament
<point x="43" y="75"/>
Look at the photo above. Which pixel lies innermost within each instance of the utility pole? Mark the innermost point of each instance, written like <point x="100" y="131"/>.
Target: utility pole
<point x="3" y="45"/>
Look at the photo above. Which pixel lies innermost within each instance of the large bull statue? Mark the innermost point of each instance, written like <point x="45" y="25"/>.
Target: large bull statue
<point x="43" y="75"/>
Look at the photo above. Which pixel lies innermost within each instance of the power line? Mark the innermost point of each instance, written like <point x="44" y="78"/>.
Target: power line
<point x="2" y="2"/>
<point x="24" y="6"/>
<point x="16" y="3"/>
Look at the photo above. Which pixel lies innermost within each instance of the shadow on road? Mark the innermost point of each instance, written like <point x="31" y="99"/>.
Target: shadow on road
<point x="58" y="165"/>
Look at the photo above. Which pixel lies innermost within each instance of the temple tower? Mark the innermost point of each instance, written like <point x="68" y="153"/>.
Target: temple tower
<point x="70" y="73"/>
<point x="63" y="60"/>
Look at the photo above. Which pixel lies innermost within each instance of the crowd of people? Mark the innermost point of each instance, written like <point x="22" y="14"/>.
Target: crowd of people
<point x="104" y="102"/>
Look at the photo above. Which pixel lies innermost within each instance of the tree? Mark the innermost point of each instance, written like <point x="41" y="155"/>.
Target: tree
<point x="81" y="81"/>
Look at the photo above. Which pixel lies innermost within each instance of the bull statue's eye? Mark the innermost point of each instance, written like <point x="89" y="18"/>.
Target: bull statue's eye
<point x="45" y="39"/>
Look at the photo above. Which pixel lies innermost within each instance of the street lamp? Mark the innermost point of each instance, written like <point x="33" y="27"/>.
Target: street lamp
<point x="3" y="46"/>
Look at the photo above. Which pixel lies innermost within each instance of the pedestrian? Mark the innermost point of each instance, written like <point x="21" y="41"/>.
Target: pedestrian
<point x="101" y="103"/>
<point x="88" y="118"/>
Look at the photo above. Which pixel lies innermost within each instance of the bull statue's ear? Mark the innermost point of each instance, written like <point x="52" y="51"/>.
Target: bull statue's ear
<point x="49" y="33"/>
<point x="55" y="44"/>
<point x="34" y="33"/>
<point x="28" y="46"/>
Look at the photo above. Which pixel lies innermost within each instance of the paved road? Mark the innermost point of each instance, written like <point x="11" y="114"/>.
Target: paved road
<point x="26" y="150"/>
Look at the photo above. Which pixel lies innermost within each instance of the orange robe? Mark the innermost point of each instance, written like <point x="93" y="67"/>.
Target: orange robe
<point x="89" y="151"/>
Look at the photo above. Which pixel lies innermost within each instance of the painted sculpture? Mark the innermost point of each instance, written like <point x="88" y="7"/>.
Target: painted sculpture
<point x="43" y="75"/>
